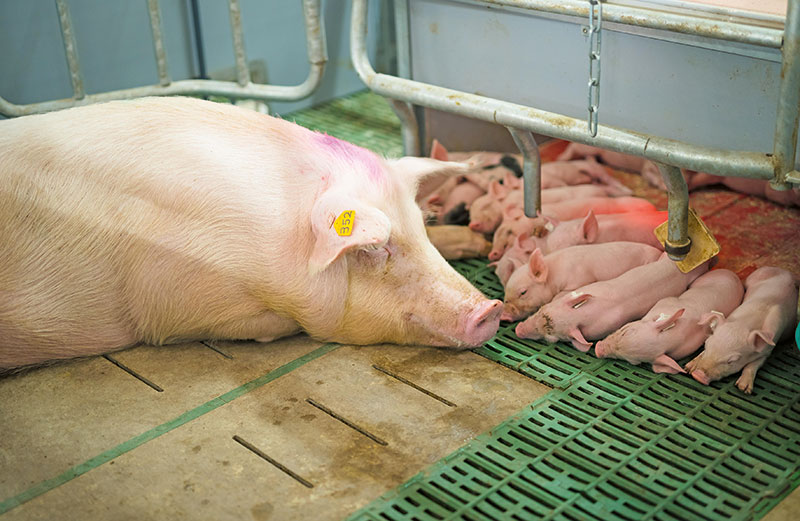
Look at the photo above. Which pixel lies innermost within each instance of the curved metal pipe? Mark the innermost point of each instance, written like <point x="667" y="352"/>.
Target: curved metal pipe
<point x="685" y="155"/>
<point x="317" y="57"/>
<point x="531" y="171"/>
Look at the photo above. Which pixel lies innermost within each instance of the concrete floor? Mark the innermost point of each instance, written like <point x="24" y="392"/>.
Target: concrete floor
<point x="86" y="440"/>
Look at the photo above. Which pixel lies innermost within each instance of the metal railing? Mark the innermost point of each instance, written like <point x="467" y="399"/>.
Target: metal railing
<point x="522" y="120"/>
<point x="242" y="88"/>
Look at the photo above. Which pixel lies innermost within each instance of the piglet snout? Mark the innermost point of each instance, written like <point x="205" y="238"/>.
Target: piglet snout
<point x="600" y="350"/>
<point x="482" y="322"/>
<point x="495" y="255"/>
<point x="701" y="377"/>
<point x="475" y="226"/>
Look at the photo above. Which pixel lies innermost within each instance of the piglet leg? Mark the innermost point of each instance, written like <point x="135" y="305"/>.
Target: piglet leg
<point x="745" y="381"/>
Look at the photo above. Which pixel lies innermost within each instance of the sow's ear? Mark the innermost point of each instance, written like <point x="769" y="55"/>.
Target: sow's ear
<point x="415" y="170"/>
<point x="341" y="222"/>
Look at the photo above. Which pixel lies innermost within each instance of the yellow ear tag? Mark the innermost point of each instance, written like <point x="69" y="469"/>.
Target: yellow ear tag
<point x="344" y="223"/>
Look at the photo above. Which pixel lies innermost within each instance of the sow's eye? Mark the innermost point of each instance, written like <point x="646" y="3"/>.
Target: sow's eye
<point x="376" y="255"/>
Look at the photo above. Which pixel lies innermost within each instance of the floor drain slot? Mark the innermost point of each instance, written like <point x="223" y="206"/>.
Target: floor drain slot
<point x="415" y="386"/>
<point x="258" y="452"/>
<point x="209" y="344"/>
<point x="346" y="422"/>
<point x="133" y="373"/>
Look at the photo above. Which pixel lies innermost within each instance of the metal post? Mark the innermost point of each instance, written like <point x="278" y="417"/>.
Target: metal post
<point x="242" y="70"/>
<point x="408" y="123"/>
<point x="71" y="49"/>
<point x="408" y="120"/>
<point x="789" y="100"/>
<point x="678" y="242"/>
<point x="158" y="42"/>
<point x="531" y="171"/>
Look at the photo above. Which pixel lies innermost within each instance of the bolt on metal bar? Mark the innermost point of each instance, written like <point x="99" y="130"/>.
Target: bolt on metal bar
<point x="71" y="49"/>
<point x="678" y="242"/>
<point x="531" y="171"/>
<point x="685" y="155"/>
<point x="732" y="31"/>
<point x="242" y="70"/>
<point x="595" y="32"/>
<point x="317" y="58"/>
<point x="158" y="42"/>
<point x="789" y="99"/>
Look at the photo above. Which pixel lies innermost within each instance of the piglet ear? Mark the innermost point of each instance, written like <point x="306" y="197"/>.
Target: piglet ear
<point x="537" y="266"/>
<point x="666" y="322"/>
<point x="578" y="341"/>
<point x="590" y="227"/>
<point x="711" y="320"/>
<point x="760" y="340"/>
<point x="415" y="170"/>
<point x="341" y="222"/>
<point x="665" y="364"/>
<point x="497" y="191"/>
<point x="575" y="299"/>
<point x="511" y="181"/>
<point x="550" y="223"/>
<point x="438" y="151"/>
<point x="513" y="211"/>
<point x="526" y="243"/>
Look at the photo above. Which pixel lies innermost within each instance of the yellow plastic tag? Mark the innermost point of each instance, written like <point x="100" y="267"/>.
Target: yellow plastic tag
<point x="344" y="223"/>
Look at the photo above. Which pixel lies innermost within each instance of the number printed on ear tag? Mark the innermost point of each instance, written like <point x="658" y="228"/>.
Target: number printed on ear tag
<point x="344" y="223"/>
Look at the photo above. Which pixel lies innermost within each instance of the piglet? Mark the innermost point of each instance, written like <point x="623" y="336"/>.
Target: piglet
<point x="514" y="257"/>
<point x="744" y="339"/>
<point x="516" y="222"/>
<point x="486" y="211"/>
<point x="458" y="242"/>
<point x="607" y="157"/>
<point x="513" y="225"/>
<point x="633" y="227"/>
<point x="577" y="208"/>
<point x="757" y="187"/>
<point x="543" y="277"/>
<point x="578" y="172"/>
<point x="671" y="329"/>
<point x="456" y="207"/>
<point x="593" y="311"/>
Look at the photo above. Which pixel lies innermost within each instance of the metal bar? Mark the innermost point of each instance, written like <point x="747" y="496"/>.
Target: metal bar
<point x="408" y="123"/>
<point x="198" y="40"/>
<point x="678" y="243"/>
<point x="158" y="42"/>
<point x="317" y="57"/>
<point x="635" y="16"/>
<point x="70" y="49"/>
<point x="402" y="38"/>
<point x="242" y="70"/>
<point x="789" y="99"/>
<point x="531" y="171"/>
<point x="711" y="160"/>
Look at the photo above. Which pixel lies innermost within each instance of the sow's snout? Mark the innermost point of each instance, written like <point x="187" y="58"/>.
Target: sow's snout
<point x="482" y="323"/>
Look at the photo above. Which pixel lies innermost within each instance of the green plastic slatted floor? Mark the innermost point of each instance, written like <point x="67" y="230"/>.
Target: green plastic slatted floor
<point x="612" y="441"/>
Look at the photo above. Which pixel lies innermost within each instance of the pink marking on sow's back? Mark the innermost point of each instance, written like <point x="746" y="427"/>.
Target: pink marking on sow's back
<point x="352" y="153"/>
